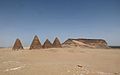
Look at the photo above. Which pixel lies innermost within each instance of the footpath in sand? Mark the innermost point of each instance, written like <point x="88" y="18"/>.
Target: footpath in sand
<point x="61" y="61"/>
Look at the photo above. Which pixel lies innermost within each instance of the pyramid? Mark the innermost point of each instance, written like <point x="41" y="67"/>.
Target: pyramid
<point x="17" y="45"/>
<point x="35" y="43"/>
<point x="47" y="44"/>
<point x="56" y="43"/>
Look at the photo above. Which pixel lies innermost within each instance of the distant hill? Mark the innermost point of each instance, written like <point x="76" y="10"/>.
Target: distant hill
<point x="2" y="47"/>
<point x="114" y="47"/>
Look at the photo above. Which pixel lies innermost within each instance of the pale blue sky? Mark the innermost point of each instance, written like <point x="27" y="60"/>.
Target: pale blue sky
<point x="97" y="19"/>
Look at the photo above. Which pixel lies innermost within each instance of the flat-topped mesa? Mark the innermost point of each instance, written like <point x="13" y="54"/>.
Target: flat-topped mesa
<point x="86" y="43"/>
<point x="17" y="45"/>
<point x="56" y="43"/>
<point x="35" y="43"/>
<point x="47" y="44"/>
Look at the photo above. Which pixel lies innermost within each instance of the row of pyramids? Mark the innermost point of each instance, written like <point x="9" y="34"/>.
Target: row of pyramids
<point x="37" y="45"/>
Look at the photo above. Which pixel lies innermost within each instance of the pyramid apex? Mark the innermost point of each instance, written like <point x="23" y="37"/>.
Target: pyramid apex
<point x="17" y="39"/>
<point x="56" y="37"/>
<point x="36" y="36"/>
<point x="47" y="39"/>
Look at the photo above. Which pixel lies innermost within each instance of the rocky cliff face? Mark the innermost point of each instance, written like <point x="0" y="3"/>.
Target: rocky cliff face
<point x="85" y="43"/>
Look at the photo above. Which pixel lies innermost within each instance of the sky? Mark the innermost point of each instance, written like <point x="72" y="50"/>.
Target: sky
<point x="92" y="19"/>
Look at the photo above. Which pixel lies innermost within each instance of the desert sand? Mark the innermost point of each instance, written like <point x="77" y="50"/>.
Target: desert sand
<point x="60" y="61"/>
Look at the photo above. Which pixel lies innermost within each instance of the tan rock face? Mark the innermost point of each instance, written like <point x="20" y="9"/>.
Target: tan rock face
<point x="47" y="44"/>
<point x="89" y="43"/>
<point x="35" y="43"/>
<point x="17" y="45"/>
<point x="56" y="43"/>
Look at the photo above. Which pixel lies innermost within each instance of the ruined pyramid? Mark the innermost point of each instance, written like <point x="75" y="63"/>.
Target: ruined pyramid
<point x="47" y="44"/>
<point x="17" y="45"/>
<point x="56" y="43"/>
<point x="35" y="43"/>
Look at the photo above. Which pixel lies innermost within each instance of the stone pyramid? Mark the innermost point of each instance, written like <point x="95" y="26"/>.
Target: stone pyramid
<point x="17" y="45"/>
<point x="56" y="43"/>
<point x="35" y="43"/>
<point x="47" y="44"/>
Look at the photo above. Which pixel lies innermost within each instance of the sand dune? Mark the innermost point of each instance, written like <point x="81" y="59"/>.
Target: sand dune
<point x="60" y="61"/>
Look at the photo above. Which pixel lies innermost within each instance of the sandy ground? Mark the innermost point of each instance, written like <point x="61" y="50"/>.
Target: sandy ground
<point x="64" y="61"/>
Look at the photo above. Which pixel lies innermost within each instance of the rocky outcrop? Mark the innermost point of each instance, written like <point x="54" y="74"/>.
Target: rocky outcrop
<point x="17" y="45"/>
<point x="35" y="43"/>
<point x="56" y="43"/>
<point x="85" y="43"/>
